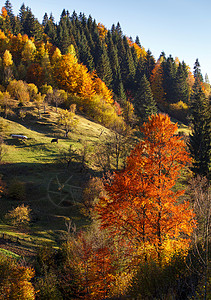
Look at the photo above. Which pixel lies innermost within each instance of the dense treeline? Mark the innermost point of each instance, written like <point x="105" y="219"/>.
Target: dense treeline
<point x="117" y="60"/>
<point x="147" y="238"/>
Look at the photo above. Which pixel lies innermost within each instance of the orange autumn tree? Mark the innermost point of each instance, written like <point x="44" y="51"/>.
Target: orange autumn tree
<point x="156" y="80"/>
<point x="140" y="204"/>
<point x="89" y="257"/>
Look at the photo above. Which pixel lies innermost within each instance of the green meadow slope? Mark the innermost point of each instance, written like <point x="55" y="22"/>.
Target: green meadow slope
<point x="51" y="190"/>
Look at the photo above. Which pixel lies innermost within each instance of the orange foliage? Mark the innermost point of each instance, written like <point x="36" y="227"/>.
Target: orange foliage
<point x="4" y="12"/>
<point x="156" y="80"/>
<point x="35" y="74"/>
<point x="16" y="46"/>
<point x="101" y="89"/>
<point x="73" y="77"/>
<point x="3" y="42"/>
<point x="102" y="31"/>
<point x="140" y="202"/>
<point x="15" y="280"/>
<point x="90" y="255"/>
<point x="139" y="50"/>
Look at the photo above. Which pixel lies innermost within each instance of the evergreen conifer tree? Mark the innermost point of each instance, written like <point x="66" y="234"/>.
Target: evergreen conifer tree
<point x="127" y="66"/>
<point x="51" y="30"/>
<point x="145" y="105"/>
<point x="103" y="67"/>
<point x="197" y="71"/>
<point x="200" y="138"/>
<point x="149" y="64"/>
<point x="181" y="85"/>
<point x="85" y="53"/>
<point x="169" y="82"/>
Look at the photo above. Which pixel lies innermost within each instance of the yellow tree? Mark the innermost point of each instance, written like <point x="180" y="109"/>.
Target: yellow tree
<point x="73" y="77"/>
<point x="6" y="103"/>
<point x="29" y="52"/>
<point x="156" y="80"/>
<point x="7" y="59"/>
<point x="141" y="203"/>
<point x="7" y="64"/>
<point x="19" y="91"/>
<point x="56" y="56"/>
<point x="101" y="89"/>
<point x="15" y="280"/>
<point x="68" y="120"/>
<point x="38" y="100"/>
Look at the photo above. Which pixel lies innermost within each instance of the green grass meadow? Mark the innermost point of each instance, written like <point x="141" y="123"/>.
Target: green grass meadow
<point x="52" y="191"/>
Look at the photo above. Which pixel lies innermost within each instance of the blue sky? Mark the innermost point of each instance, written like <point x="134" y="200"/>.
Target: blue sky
<point x="181" y="28"/>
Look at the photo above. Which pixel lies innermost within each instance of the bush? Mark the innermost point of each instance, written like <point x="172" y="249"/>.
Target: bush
<point x="15" y="280"/>
<point x="92" y="191"/>
<point x="17" y="190"/>
<point x="19" y="216"/>
<point x="162" y="281"/>
<point x="179" y="111"/>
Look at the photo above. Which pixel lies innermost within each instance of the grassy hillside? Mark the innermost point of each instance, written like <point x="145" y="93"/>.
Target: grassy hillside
<point x="50" y="188"/>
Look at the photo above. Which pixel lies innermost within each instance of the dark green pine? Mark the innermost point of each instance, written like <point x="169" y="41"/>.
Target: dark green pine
<point x="139" y="72"/>
<point x="50" y="30"/>
<point x="85" y="53"/>
<point x="103" y="67"/>
<point x="16" y="26"/>
<point x="127" y="66"/>
<point x="117" y="85"/>
<point x="144" y="103"/>
<point x="9" y="8"/>
<point x="45" y="19"/>
<point x="135" y="57"/>
<point x="10" y="14"/>
<point x="137" y="41"/>
<point x="197" y="71"/>
<point x="63" y="36"/>
<point x="149" y="64"/>
<point x="169" y="79"/>
<point x="182" y="92"/>
<point x="29" y="24"/>
<point x="200" y="138"/>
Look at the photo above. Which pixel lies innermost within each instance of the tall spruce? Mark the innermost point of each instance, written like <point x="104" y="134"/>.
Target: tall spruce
<point x="181" y="88"/>
<point x="117" y="85"/>
<point x="50" y="29"/>
<point x="200" y="138"/>
<point x="127" y="66"/>
<point x="169" y="82"/>
<point x="149" y="64"/>
<point x="197" y="71"/>
<point x="144" y="103"/>
<point x="85" y="53"/>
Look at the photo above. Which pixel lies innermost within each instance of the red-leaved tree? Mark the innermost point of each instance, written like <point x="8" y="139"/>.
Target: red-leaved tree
<point x="141" y="204"/>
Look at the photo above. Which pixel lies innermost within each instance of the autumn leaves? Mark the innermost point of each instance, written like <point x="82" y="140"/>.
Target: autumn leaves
<point x="141" y="204"/>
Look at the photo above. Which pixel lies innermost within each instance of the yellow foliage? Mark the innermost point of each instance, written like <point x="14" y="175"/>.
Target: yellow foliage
<point x="73" y="77"/>
<point x="29" y="51"/>
<point x="179" y="106"/>
<point x="4" y="12"/>
<point x="56" y="55"/>
<point x="140" y="51"/>
<point x="2" y="35"/>
<point x="102" y="30"/>
<point x="15" y="280"/>
<point x="7" y="59"/>
<point x="102" y="90"/>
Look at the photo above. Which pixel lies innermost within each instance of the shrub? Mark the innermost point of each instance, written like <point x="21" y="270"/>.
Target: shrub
<point x="17" y="190"/>
<point x="19" y="216"/>
<point x="15" y="280"/>
<point x="179" y="111"/>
